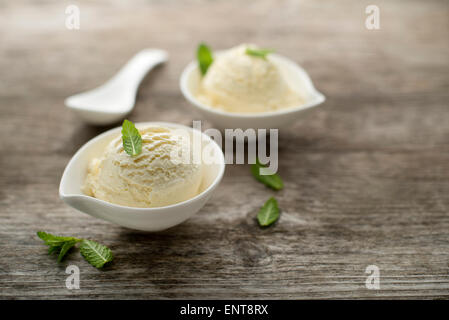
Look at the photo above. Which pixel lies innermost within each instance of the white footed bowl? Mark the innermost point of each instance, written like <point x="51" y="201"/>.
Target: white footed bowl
<point x="297" y="78"/>
<point x="146" y="219"/>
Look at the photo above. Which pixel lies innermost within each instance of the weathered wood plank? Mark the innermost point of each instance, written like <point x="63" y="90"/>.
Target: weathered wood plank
<point x="366" y="176"/>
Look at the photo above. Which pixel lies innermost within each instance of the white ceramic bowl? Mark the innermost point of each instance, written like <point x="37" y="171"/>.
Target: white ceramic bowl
<point x="297" y="78"/>
<point x="146" y="219"/>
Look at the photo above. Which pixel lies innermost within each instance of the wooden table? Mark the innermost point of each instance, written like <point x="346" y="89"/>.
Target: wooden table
<point x="366" y="175"/>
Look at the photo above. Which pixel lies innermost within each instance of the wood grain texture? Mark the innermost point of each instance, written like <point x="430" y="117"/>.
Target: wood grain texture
<point x="366" y="175"/>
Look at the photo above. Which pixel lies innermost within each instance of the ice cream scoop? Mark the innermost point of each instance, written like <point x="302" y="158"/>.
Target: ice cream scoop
<point x="192" y="83"/>
<point x="146" y="219"/>
<point x="243" y="83"/>
<point x="154" y="178"/>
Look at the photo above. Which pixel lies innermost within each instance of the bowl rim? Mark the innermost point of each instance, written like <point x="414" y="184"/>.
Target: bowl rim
<point x="197" y="197"/>
<point x="193" y="65"/>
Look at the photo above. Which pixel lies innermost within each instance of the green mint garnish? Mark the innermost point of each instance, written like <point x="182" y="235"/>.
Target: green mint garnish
<point x="65" y="248"/>
<point x="273" y="181"/>
<point x="204" y="56"/>
<point x="132" y="141"/>
<point x="269" y="213"/>
<point x="54" y="241"/>
<point x="261" y="53"/>
<point x="96" y="254"/>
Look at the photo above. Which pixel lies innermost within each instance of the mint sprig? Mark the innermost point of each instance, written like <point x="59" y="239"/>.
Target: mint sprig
<point x="204" y="57"/>
<point x="132" y="140"/>
<point x="65" y="248"/>
<point x="57" y="243"/>
<point x="269" y="213"/>
<point x="273" y="181"/>
<point x="54" y="241"/>
<point x="94" y="253"/>
<point x="260" y="53"/>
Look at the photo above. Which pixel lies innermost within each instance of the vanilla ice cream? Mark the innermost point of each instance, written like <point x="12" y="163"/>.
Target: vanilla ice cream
<point x="239" y="82"/>
<point x="150" y="179"/>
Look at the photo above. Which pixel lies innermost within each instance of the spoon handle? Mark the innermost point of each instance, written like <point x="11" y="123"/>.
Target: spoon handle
<point x="132" y="73"/>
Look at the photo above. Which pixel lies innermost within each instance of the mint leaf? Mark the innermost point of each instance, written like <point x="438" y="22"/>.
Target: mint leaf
<point x="132" y="141"/>
<point x="54" y="241"/>
<point x="204" y="56"/>
<point x="65" y="248"/>
<point x="273" y="181"/>
<point x="96" y="254"/>
<point x="261" y="53"/>
<point x="269" y="213"/>
<point x="53" y="249"/>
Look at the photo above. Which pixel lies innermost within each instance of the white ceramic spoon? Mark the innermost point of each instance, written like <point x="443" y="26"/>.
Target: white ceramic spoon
<point x="115" y="99"/>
